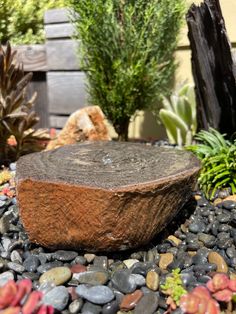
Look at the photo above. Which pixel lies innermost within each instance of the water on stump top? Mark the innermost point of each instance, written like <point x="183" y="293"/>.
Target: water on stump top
<point x="105" y="164"/>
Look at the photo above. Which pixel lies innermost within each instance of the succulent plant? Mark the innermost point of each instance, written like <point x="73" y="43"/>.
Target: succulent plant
<point x="174" y="288"/>
<point x="16" y="298"/>
<point x="16" y="116"/>
<point x="199" y="301"/>
<point x="203" y="300"/>
<point x="5" y="176"/>
<point x="179" y="116"/>
<point x="218" y="158"/>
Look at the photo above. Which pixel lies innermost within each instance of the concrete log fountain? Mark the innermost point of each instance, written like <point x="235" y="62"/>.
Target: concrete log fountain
<point x="102" y="195"/>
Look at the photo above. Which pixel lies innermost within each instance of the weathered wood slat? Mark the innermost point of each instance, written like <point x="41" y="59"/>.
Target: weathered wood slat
<point x="62" y="55"/>
<point x="33" y="57"/>
<point x="212" y="66"/>
<point x="64" y="30"/>
<point x="66" y="91"/>
<point x="66" y="84"/>
<point x="39" y="85"/>
<point x="58" y="122"/>
<point x="56" y="16"/>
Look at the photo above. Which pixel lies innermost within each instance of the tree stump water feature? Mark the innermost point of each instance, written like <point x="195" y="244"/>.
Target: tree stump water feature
<point x="102" y="195"/>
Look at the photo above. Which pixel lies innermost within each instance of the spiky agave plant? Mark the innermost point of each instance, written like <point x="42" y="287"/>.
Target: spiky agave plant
<point x="16" y="116"/>
<point x="218" y="158"/>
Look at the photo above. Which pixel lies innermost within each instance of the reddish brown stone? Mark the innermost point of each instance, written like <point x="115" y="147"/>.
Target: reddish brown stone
<point x="78" y="268"/>
<point x="86" y="124"/>
<point x="130" y="300"/>
<point x="73" y="294"/>
<point x="102" y="195"/>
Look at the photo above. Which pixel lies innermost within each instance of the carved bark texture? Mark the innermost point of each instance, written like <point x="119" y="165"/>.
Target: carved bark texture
<point x="213" y="68"/>
<point x="102" y="195"/>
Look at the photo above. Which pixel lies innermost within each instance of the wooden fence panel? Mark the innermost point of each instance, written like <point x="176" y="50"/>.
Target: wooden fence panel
<point x="65" y="80"/>
<point x="66" y="91"/>
<point x="34" y="60"/>
<point x="63" y="30"/>
<point x="62" y="55"/>
<point x="56" y="16"/>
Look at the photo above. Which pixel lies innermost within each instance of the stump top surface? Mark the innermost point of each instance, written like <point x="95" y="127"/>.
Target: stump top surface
<point x="107" y="165"/>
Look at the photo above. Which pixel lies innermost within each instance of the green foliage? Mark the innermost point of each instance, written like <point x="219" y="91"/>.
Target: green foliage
<point x="128" y="52"/>
<point x="218" y="158"/>
<point x="174" y="286"/>
<point x="179" y="116"/>
<point x="16" y="117"/>
<point x="21" y="21"/>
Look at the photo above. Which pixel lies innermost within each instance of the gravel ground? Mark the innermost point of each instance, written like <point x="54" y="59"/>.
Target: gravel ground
<point x="201" y="241"/>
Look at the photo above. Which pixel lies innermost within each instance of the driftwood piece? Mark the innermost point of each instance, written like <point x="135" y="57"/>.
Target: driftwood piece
<point x="102" y="195"/>
<point x="213" y="68"/>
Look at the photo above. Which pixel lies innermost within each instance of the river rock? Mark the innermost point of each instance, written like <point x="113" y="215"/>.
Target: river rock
<point x="130" y="300"/>
<point x="101" y="262"/>
<point x="111" y="307"/>
<point x="16" y="267"/>
<point x="92" y="277"/>
<point x="64" y="256"/>
<point x="78" y="268"/>
<point x="216" y="258"/>
<point x="95" y="294"/>
<point x="90" y="308"/>
<point x="5" y="277"/>
<point x="89" y="257"/>
<point x="148" y="304"/>
<point x="58" y="297"/>
<point x="57" y="275"/>
<point x="123" y="281"/>
<point x="125" y="180"/>
<point x="31" y="263"/>
<point x="152" y="280"/>
<point x="165" y="260"/>
<point x="76" y="306"/>
<point x="130" y="262"/>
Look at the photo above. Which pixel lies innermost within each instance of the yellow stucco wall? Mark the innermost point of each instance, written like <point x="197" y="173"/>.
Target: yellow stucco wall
<point x="144" y="125"/>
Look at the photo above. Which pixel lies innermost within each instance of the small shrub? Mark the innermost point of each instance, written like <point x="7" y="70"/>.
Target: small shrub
<point x="21" y="22"/>
<point x="128" y="53"/>
<point x="218" y="158"/>
<point x="16" y="116"/>
<point x="179" y="116"/>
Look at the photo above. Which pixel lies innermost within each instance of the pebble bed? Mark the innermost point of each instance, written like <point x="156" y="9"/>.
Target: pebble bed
<point x="201" y="242"/>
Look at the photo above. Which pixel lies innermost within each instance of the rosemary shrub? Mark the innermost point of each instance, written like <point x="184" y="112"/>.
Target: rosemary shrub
<point x="127" y="49"/>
